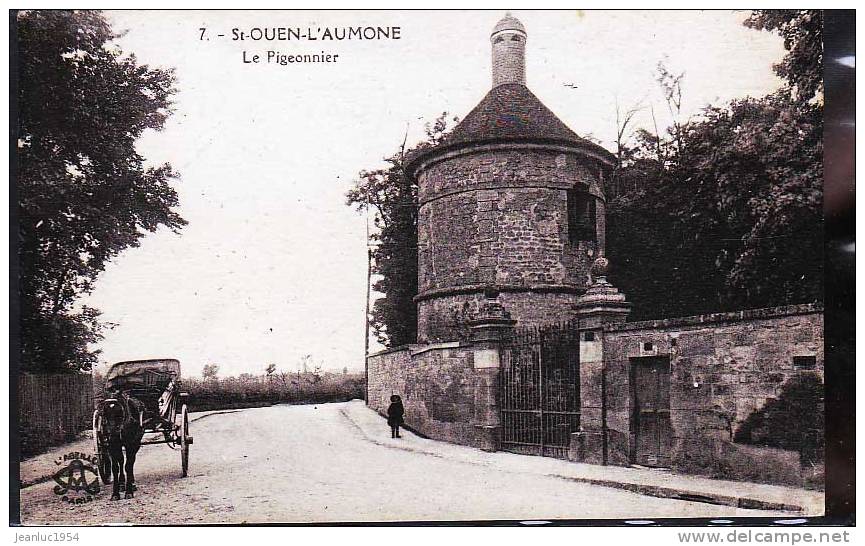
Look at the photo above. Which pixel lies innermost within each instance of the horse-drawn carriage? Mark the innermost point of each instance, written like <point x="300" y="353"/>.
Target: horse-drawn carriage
<point x="147" y="391"/>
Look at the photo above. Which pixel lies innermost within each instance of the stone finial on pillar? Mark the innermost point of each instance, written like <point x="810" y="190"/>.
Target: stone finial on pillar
<point x="491" y="328"/>
<point x="602" y="302"/>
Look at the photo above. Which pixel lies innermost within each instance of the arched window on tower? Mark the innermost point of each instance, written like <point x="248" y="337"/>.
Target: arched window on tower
<point x="582" y="224"/>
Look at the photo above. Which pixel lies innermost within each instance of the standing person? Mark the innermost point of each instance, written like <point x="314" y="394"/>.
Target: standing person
<point x="394" y="415"/>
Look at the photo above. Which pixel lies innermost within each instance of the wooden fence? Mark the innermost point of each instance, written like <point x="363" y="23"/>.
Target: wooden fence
<point x="53" y="409"/>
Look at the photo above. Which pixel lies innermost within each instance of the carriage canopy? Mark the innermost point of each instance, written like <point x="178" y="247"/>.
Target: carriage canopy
<point x="137" y="374"/>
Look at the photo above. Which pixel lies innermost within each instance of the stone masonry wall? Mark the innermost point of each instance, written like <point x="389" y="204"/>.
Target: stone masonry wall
<point x="499" y="218"/>
<point x="446" y="318"/>
<point x="437" y="386"/>
<point x="724" y="368"/>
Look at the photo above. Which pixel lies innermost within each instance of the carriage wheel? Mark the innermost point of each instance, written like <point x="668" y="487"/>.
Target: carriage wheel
<point x="104" y="462"/>
<point x="185" y="440"/>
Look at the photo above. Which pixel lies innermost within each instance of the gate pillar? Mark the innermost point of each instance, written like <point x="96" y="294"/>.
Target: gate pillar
<point x="601" y="304"/>
<point x="491" y="328"/>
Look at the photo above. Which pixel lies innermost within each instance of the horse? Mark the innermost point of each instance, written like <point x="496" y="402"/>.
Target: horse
<point x="122" y="429"/>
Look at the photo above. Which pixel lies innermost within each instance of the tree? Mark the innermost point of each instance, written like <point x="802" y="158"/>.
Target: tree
<point x="270" y="369"/>
<point x="85" y="194"/>
<point x="391" y="196"/>
<point x="671" y="87"/>
<point x="285" y="379"/>
<point x="210" y="372"/>
<point x="802" y="31"/>
<point x="304" y="362"/>
<point x="732" y="215"/>
<point x="624" y="133"/>
<point x="314" y="377"/>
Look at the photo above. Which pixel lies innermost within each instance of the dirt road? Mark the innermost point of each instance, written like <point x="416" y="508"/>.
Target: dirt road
<point x="315" y="464"/>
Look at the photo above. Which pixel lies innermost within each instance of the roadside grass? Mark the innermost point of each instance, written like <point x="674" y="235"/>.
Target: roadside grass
<point x="253" y="391"/>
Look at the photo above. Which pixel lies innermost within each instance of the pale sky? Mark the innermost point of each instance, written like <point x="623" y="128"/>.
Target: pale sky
<point x="272" y="265"/>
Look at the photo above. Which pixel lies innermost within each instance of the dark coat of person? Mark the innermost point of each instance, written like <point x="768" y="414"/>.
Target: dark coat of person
<point x="395" y="412"/>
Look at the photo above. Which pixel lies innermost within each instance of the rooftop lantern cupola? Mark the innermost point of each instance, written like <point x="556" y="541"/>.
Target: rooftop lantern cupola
<point x="509" y="51"/>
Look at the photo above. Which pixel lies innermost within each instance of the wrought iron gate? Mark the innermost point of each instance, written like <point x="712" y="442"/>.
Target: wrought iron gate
<point x="540" y="390"/>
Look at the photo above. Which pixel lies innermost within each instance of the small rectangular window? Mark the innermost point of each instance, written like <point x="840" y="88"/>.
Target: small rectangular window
<point x="589" y="336"/>
<point x="581" y="216"/>
<point x="804" y="362"/>
<point x="647" y="346"/>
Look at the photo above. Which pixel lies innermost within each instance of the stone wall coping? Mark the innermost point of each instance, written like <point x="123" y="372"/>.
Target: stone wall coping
<point x="397" y="349"/>
<point x="480" y="288"/>
<point x="712" y="318"/>
<point x="419" y="348"/>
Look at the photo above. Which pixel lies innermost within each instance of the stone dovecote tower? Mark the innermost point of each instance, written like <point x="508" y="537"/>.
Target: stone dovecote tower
<point x="511" y="207"/>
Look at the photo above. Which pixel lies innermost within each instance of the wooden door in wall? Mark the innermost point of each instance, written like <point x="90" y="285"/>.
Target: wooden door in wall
<point x="650" y="418"/>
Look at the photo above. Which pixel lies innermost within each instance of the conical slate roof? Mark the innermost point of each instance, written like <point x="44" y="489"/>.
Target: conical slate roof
<point x="510" y="111"/>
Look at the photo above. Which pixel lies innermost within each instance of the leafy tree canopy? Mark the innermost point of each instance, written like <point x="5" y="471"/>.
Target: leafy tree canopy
<point x="802" y="31"/>
<point x="724" y="211"/>
<point x="84" y="192"/>
<point x="210" y="371"/>
<point x="391" y="197"/>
